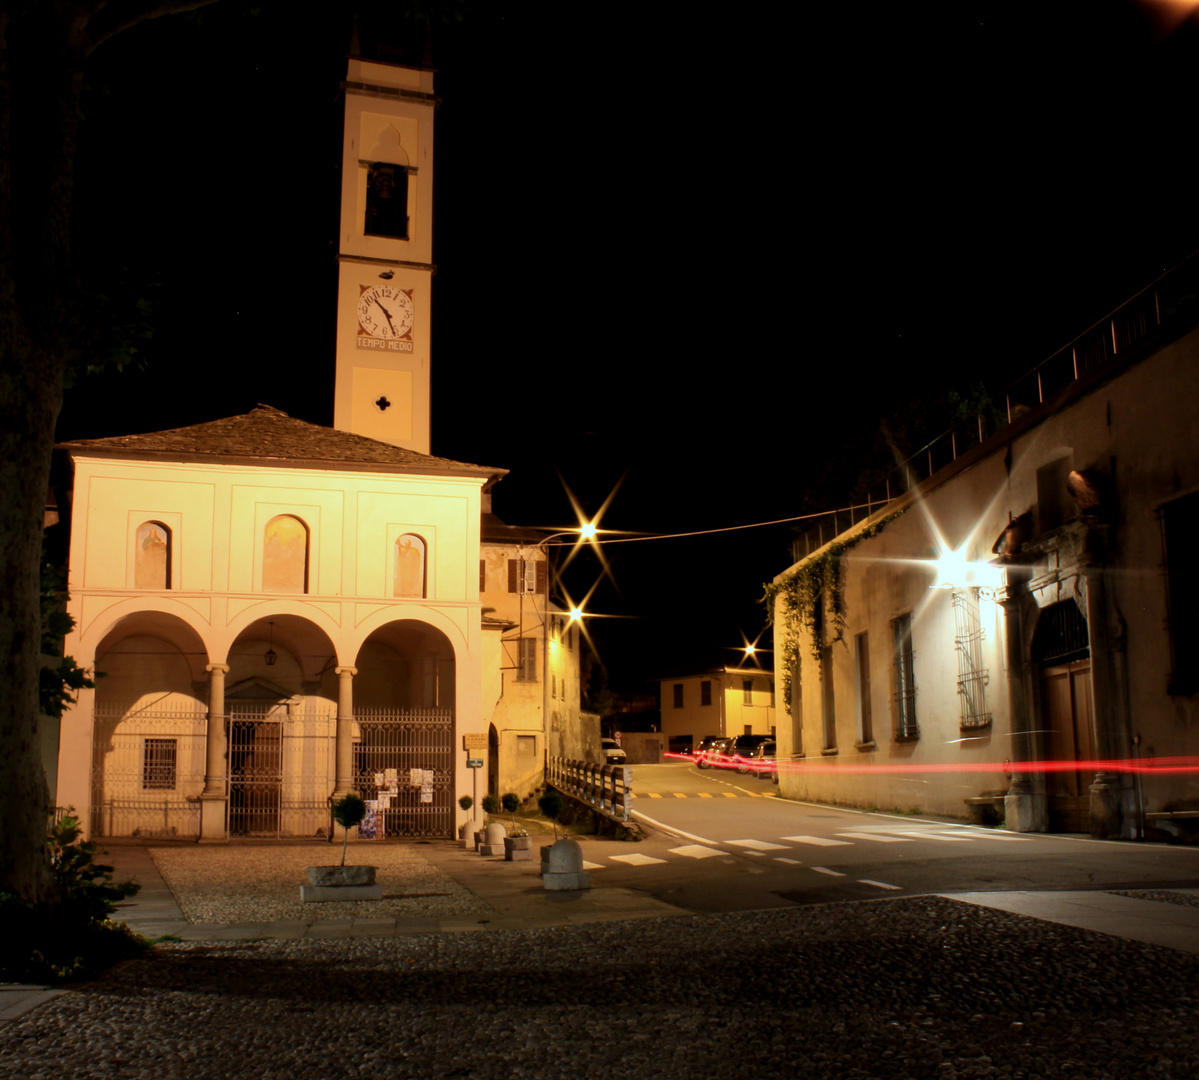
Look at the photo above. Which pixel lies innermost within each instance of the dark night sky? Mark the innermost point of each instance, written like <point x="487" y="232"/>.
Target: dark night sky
<point x="698" y="255"/>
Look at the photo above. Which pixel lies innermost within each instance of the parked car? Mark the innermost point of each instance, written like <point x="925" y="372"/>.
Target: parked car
<point x="716" y="752"/>
<point x="763" y="761"/>
<point x="613" y="754"/>
<point x="700" y="752"/>
<point x="742" y="749"/>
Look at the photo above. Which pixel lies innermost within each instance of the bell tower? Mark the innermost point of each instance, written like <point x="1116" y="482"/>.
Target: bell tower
<point x="385" y="251"/>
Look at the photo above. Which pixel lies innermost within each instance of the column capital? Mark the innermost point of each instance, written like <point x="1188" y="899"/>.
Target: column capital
<point x="217" y="669"/>
<point x="344" y="671"/>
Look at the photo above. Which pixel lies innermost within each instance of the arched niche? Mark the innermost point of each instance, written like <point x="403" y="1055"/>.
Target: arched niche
<point x="287" y="651"/>
<point x="150" y="656"/>
<point x="406" y="664"/>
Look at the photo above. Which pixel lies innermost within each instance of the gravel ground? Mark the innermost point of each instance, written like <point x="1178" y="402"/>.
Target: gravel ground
<point x="269" y="879"/>
<point x="1164" y="896"/>
<point x="919" y="987"/>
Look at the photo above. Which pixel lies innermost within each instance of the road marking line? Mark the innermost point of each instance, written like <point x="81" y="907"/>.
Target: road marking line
<point x="876" y="837"/>
<point x="758" y="845"/>
<point x="792" y="862"/>
<point x="695" y="851"/>
<point x="877" y="884"/>
<point x="593" y="865"/>
<point x="679" y="795"/>
<point x="826" y="870"/>
<point x="938" y="836"/>
<point x="654" y="794"/>
<point x="729" y="794"/>
<point x="705" y="794"/>
<point x="636" y="859"/>
<point x="759" y="854"/>
<point x="672" y="830"/>
<point x="819" y="841"/>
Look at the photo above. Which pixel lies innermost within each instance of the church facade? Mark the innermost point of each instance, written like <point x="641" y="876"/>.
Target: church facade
<point x="282" y="613"/>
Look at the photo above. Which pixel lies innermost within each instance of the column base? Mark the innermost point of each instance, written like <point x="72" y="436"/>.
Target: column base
<point x="1106" y="818"/>
<point x="213" y="818"/>
<point x="1026" y="812"/>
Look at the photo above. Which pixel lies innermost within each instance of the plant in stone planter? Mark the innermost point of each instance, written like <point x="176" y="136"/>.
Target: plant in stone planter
<point x="511" y="803"/>
<point x="348" y="811"/>
<point x="491" y="805"/>
<point x="466" y="802"/>
<point x="550" y="804"/>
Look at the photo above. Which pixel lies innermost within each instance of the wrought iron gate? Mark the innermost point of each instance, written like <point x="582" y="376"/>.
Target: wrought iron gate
<point x="147" y="771"/>
<point x="404" y="769"/>
<point x="280" y="771"/>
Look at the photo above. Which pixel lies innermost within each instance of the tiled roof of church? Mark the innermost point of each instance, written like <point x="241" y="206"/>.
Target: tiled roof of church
<point x="267" y="434"/>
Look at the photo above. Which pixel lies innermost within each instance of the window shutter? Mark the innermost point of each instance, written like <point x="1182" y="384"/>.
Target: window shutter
<point x="482" y="575"/>
<point x="514" y="575"/>
<point x="542" y="578"/>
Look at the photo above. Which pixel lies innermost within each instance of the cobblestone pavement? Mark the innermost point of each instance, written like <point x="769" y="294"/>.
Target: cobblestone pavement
<point x="920" y="987"/>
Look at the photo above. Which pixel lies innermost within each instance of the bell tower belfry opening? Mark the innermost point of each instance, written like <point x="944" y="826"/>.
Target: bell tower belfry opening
<point x="385" y="251"/>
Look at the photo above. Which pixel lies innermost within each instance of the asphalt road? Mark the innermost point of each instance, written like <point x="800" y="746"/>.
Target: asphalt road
<point x="720" y="842"/>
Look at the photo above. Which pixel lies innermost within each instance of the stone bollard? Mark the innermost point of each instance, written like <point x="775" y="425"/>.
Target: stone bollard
<point x="466" y="835"/>
<point x="493" y="839"/>
<point x="564" y="866"/>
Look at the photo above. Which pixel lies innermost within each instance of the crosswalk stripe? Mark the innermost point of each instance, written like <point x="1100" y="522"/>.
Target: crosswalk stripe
<point x="636" y="859"/>
<point x="938" y="836"/>
<point x="876" y="837"/>
<point x="654" y="794"/>
<point x="792" y="862"/>
<point x="818" y="841"/>
<point x="695" y="851"/>
<point x="759" y="845"/>
<point x="705" y="794"/>
<point x="826" y="870"/>
<point x="877" y="884"/>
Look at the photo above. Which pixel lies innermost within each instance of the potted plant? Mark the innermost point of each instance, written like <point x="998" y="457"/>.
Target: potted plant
<point x="550" y="804"/>
<point x="518" y="844"/>
<point x="348" y="882"/>
<point x="466" y="830"/>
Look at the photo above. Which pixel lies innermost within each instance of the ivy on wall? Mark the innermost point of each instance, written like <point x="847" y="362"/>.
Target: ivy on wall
<point x="819" y="581"/>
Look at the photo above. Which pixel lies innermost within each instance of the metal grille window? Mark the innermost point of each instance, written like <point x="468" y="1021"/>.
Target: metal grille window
<point x="705" y="692"/>
<point x="678" y="695"/>
<point x="158" y="764"/>
<point x="968" y="643"/>
<point x="526" y="670"/>
<point x="865" y="718"/>
<point x="905" y="678"/>
<point x="828" y="703"/>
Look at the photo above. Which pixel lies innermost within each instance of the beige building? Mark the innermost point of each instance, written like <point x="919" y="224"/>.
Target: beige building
<point x="1029" y="604"/>
<point x="723" y="701"/>
<point x="532" y="678"/>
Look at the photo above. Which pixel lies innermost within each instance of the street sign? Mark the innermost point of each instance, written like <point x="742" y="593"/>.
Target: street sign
<point x="474" y="763"/>
<point x="474" y="741"/>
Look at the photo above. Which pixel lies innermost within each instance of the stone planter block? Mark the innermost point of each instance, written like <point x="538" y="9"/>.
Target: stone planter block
<point x="563" y="866"/>
<point x="518" y="848"/>
<point x="493" y="839"/>
<point x="341" y="876"/>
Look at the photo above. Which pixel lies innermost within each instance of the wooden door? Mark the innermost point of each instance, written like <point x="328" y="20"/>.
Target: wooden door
<point x="1067" y="717"/>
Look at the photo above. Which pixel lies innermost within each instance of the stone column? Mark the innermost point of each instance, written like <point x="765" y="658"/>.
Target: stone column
<point x="1025" y="806"/>
<point x="214" y="798"/>
<point x="1106" y="788"/>
<point x="344" y="750"/>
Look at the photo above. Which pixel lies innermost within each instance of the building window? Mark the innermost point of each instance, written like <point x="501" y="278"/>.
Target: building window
<point x="905" y="678"/>
<point x="285" y="555"/>
<point x="705" y="692"/>
<point x="482" y="575"/>
<point x="386" y="200"/>
<point x="526" y="669"/>
<point x="1180" y="526"/>
<point x="678" y="695"/>
<point x="1054" y="506"/>
<point x="553" y="686"/>
<point x="772" y="693"/>
<point x="865" y="719"/>
<point x="152" y="560"/>
<point x="158" y="764"/>
<point x="527" y="576"/>
<point x="409" y="577"/>
<point x="796" y="708"/>
<point x="827" y="701"/>
<point x="747" y="691"/>
<point x="968" y="643"/>
<point x="526" y="746"/>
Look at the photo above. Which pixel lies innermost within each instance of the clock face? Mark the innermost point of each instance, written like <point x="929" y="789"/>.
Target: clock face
<point x="385" y="311"/>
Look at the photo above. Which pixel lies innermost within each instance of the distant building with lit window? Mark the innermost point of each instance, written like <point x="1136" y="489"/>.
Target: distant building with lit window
<point x="719" y="701"/>
<point x="1025" y="592"/>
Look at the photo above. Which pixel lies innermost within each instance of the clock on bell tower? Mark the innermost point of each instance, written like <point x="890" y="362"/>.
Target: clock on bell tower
<point x="385" y="251"/>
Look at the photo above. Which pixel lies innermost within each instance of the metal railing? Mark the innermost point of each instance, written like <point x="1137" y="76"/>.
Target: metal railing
<point x="606" y="788"/>
<point x="1166" y="303"/>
